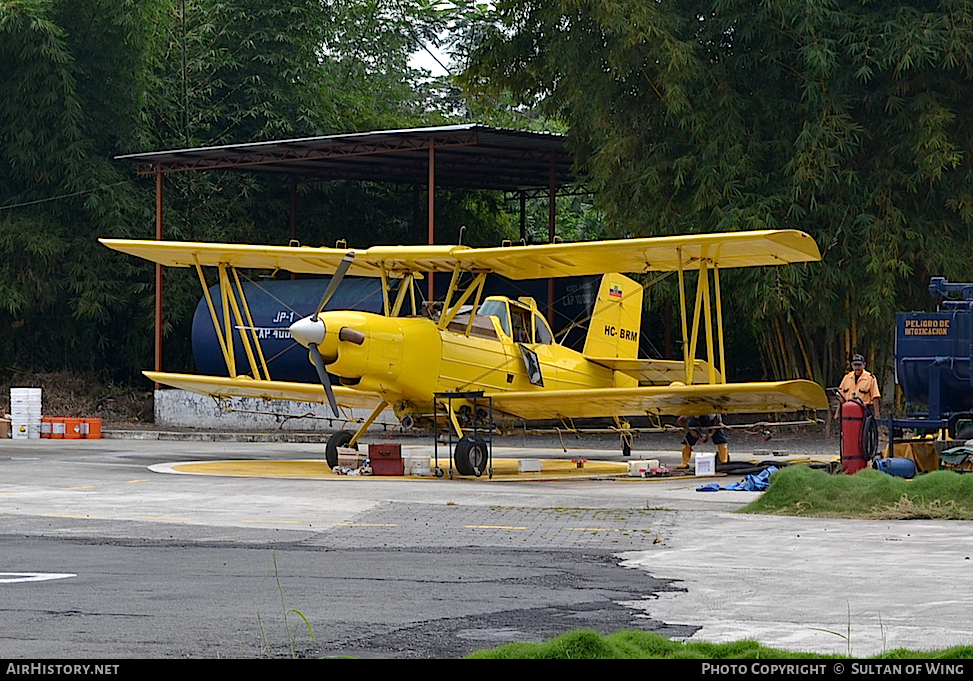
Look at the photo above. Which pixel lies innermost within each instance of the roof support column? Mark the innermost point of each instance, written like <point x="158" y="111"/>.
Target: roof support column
<point x="551" y="214"/>
<point x="432" y="212"/>
<point x="523" y="217"/>
<point x="293" y="216"/>
<point x="416" y="234"/>
<point x="158" y="272"/>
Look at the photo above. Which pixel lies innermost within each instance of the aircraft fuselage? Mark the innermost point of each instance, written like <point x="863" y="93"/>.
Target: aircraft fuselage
<point x="408" y="359"/>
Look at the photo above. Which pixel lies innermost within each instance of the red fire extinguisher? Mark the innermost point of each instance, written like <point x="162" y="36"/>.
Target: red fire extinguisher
<point x="853" y="427"/>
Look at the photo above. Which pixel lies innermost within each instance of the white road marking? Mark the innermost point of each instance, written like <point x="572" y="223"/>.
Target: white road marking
<point x="14" y="577"/>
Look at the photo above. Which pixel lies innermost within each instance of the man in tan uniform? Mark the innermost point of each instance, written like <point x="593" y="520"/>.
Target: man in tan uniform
<point x="861" y="384"/>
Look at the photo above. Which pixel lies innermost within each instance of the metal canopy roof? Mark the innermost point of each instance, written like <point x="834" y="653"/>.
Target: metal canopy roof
<point x="467" y="156"/>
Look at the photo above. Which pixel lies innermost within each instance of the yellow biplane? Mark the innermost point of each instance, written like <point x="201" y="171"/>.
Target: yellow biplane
<point x="499" y="346"/>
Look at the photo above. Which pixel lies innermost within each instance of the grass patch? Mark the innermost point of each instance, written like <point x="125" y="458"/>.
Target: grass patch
<point x="586" y="644"/>
<point x="802" y="491"/>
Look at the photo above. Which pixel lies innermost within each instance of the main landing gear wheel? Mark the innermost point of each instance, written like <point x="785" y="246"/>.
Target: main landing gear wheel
<point x="471" y="456"/>
<point x="339" y="439"/>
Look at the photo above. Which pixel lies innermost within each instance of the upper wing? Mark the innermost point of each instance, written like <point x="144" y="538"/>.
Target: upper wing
<point x="303" y="259"/>
<point x="670" y="400"/>
<point x="652" y="254"/>
<point x="241" y="386"/>
<point x="660" y="254"/>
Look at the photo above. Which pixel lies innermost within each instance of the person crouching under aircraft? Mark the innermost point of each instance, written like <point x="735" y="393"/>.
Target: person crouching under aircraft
<point x="700" y="429"/>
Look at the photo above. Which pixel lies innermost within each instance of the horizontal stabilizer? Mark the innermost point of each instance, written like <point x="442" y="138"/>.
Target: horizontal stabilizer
<point x="658" y="371"/>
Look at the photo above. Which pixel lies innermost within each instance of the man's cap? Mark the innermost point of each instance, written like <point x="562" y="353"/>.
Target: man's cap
<point x="857" y="359"/>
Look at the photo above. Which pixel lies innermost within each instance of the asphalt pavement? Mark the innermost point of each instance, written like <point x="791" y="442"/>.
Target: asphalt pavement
<point x="183" y="565"/>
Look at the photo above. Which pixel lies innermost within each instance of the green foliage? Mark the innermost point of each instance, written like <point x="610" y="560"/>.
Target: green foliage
<point x="285" y="611"/>
<point x="586" y="644"/>
<point x="239" y="71"/>
<point x="84" y="81"/>
<point x="64" y="107"/>
<point x="843" y="118"/>
<point x="799" y="490"/>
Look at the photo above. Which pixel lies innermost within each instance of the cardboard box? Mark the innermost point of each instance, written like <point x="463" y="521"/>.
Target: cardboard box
<point x="350" y="458"/>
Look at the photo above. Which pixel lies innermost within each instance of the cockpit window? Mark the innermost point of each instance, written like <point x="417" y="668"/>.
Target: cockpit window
<point x="520" y="323"/>
<point x="542" y="333"/>
<point x="498" y="309"/>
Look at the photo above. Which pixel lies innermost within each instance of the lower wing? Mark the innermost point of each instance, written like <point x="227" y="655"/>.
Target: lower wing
<point x="241" y="386"/>
<point x="669" y="400"/>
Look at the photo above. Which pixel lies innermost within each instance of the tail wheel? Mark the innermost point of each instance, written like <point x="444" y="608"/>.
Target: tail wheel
<point x="339" y="439"/>
<point x="471" y="456"/>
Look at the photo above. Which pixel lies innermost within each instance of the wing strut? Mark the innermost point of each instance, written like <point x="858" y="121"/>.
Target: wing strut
<point x="450" y="309"/>
<point x="227" y="351"/>
<point x="703" y="313"/>
<point x="230" y="305"/>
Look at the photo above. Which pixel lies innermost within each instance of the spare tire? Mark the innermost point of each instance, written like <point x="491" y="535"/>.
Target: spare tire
<point x="471" y="456"/>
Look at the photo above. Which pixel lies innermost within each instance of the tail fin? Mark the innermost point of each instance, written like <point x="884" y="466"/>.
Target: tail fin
<point x="613" y="331"/>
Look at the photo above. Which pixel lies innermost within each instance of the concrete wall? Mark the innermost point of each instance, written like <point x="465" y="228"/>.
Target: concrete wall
<point x="183" y="409"/>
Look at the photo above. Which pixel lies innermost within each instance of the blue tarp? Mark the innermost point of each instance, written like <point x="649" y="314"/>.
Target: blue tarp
<point x="751" y="483"/>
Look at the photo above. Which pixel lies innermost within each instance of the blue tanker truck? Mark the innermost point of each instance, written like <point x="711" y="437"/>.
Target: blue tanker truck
<point x="933" y="357"/>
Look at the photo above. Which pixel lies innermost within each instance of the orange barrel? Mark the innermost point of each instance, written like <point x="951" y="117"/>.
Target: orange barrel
<point x="72" y="429"/>
<point x="57" y="428"/>
<point x="46" y="426"/>
<point x="91" y="428"/>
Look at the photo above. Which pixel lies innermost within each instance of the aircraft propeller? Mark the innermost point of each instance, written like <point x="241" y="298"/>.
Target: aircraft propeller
<point x="311" y="331"/>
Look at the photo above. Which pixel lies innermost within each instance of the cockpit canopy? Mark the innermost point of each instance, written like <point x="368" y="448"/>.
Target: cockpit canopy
<point x="519" y="319"/>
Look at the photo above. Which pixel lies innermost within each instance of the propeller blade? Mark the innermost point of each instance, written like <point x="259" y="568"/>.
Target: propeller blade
<point x="323" y="376"/>
<point x="339" y="274"/>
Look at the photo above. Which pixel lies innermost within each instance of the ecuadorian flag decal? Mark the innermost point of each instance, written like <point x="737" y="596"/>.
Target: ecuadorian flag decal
<point x="615" y="290"/>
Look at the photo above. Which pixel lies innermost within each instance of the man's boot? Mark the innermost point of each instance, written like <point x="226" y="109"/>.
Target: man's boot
<point x="687" y="452"/>
<point x="723" y="451"/>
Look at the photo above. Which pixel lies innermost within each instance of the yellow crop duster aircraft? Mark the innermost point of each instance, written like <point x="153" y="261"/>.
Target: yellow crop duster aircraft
<point x="504" y="348"/>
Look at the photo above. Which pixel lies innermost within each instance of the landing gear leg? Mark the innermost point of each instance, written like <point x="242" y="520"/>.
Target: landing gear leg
<point x="626" y="436"/>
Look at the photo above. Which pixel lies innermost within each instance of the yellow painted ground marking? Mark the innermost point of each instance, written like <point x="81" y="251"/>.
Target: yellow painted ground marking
<point x="366" y="524"/>
<point x="276" y="469"/>
<point x="81" y="487"/>
<point x="503" y="469"/>
<point x="129" y="482"/>
<point x="596" y="529"/>
<point x="67" y="515"/>
<point x="275" y="522"/>
<point x="494" y="527"/>
<point x="7" y="492"/>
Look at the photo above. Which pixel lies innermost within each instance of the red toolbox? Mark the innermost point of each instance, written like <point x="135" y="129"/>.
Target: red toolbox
<point x="386" y="459"/>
